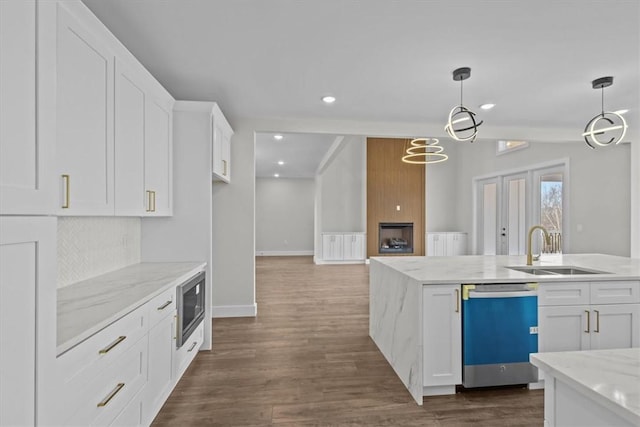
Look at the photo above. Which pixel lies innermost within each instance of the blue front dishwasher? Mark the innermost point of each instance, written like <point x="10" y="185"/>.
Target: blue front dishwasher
<point x="499" y="331"/>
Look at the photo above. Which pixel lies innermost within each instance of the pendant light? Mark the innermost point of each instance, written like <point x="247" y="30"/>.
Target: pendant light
<point x="422" y="151"/>
<point x="615" y="125"/>
<point x="462" y="125"/>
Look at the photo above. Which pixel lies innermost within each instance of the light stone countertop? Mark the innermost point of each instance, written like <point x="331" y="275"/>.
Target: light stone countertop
<point x="609" y="377"/>
<point x="491" y="268"/>
<point x="89" y="306"/>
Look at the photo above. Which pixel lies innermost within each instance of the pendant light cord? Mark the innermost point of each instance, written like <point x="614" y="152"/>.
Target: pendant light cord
<point x="461" y="93"/>
<point x="602" y="100"/>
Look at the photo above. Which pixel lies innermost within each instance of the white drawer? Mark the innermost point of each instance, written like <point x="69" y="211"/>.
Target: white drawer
<point x="185" y="354"/>
<point x="105" y="397"/>
<point x="622" y="292"/>
<point x="568" y="293"/>
<point x="162" y="306"/>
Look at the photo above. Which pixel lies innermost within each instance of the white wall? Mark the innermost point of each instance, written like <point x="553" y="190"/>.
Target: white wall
<point x="599" y="194"/>
<point x="635" y="199"/>
<point x="284" y="216"/>
<point x="442" y="182"/>
<point x="343" y="188"/>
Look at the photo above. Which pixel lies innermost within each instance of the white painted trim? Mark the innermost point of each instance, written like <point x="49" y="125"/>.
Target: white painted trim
<point x="218" y="311"/>
<point x="284" y="253"/>
<point x="194" y="106"/>
<point x="353" y="261"/>
<point x="635" y="199"/>
<point x="330" y="155"/>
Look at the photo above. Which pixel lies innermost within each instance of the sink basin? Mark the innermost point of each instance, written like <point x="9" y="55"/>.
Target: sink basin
<point x="563" y="270"/>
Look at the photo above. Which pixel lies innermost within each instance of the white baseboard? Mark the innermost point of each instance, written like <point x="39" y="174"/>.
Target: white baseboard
<point x="234" y="310"/>
<point x="323" y="262"/>
<point x="284" y="253"/>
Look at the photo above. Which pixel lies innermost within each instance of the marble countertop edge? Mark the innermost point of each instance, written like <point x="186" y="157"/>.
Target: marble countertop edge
<point x="185" y="270"/>
<point x="559" y="371"/>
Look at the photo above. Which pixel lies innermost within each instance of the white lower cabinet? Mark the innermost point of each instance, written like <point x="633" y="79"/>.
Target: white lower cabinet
<point x="343" y="247"/>
<point x="27" y="289"/>
<point x="446" y="244"/>
<point x="184" y="355"/>
<point x="588" y="316"/>
<point x="441" y="338"/>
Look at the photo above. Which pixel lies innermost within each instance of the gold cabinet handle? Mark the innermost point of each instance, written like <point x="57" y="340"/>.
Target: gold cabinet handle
<point x="148" y="201"/>
<point x="154" y="201"/>
<point x="597" y="329"/>
<point x="111" y="395"/>
<point x="165" y="305"/>
<point x="457" y="301"/>
<point x="66" y="178"/>
<point x="111" y="346"/>
<point x="588" y="321"/>
<point x="192" y="346"/>
<point x="224" y="164"/>
<point x="175" y="319"/>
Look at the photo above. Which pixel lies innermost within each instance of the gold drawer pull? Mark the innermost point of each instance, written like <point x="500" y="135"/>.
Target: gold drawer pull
<point x="66" y="178"/>
<point x="224" y="162"/>
<point x="192" y="346"/>
<point x="165" y="305"/>
<point x="457" y="301"/>
<point x="597" y="329"/>
<point x="111" y="395"/>
<point x="154" y="201"/>
<point x="588" y="321"/>
<point x="110" y="347"/>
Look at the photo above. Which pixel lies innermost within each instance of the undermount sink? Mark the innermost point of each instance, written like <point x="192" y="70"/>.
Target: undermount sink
<point x="563" y="270"/>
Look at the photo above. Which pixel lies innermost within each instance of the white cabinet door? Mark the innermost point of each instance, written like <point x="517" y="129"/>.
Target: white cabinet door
<point x="353" y="247"/>
<point x="26" y="152"/>
<point x="129" y="142"/>
<point x="85" y="119"/>
<point x="221" y="153"/>
<point x="158" y="175"/>
<point x="442" y="335"/>
<point x="615" y="326"/>
<point x="436" y="244"/>
<point x="161" y="348"/>
<point x="27" y="314"/>
<point x="456" y="244"/>
<point x="564" y="328"/>
<point x="332" y="247"/>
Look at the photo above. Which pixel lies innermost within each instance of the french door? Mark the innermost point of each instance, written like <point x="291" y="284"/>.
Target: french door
<point x="508" y="204"/>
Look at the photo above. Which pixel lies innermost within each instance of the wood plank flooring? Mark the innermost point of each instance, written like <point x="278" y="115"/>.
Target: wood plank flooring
<point x="307" y="360"/>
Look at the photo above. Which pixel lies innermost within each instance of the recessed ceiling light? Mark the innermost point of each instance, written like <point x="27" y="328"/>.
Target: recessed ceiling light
<point x="276" y="175"/>
<point x="278" y="137"/>
<point x="328" y="99"/>
<point x="624" y="111"/>
<point x="487" y="106"/>
<point x="280" y="162"/>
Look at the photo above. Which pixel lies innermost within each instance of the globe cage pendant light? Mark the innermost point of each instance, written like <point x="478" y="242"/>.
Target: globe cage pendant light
<point x="457" y="126"/>
<point x="422" y="151"/>
<point x="615" y="124"/>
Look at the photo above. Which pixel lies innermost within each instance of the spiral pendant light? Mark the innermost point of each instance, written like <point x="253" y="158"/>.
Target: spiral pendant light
<point x="422" y="151"/>
<point x="615" y="126"/>
<point x="462" y="124"/>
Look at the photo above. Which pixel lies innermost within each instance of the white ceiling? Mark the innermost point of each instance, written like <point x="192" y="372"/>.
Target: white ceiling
<point x="301" y="154"/>
<point x="391" y="61"/>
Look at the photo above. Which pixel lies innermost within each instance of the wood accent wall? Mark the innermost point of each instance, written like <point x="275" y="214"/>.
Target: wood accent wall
<point x="391" y="182"/>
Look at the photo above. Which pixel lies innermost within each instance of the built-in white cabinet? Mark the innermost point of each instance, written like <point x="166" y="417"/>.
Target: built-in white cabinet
<point x="27" y="315"/>
<point x="446" y="244"/>
<point x="583" y="316"/>
<point x="85" y="77"/>
<point x="441" y="338"/>
<point x="27" y="110"/>
<point x="343" y="247"/>
<point x="221" y="143"/>
<point x="158" y="157"/>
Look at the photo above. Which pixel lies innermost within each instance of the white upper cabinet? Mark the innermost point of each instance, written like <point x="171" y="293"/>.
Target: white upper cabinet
<point x="129" y="142"/>
<point x="158" y="158"/>
<point x="221" y="160"/>
<point x="27" y="118"/>
<point x="85" y="119"/>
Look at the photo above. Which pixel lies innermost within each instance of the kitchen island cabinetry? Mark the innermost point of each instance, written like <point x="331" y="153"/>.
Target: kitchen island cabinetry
<point x="413" y="302"/>
<point x="442" y="339"/>
<point x="585" y="316"/>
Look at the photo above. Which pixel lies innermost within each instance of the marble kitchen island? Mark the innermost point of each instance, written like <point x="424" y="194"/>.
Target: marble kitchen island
<point x="415" y="306"/>
<point x="591" y="388"/>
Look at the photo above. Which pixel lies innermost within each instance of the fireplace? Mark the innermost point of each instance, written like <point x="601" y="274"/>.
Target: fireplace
<point x="395" y="237"/>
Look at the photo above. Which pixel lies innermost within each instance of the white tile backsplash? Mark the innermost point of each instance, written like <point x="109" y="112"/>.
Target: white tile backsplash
<point x="90" y="246"/>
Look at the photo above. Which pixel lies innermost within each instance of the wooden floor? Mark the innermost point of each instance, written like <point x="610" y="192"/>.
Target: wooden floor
<point x="307" y="360"/>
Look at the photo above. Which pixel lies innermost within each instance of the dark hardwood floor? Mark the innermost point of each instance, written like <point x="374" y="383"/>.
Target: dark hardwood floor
<point x="307" y="360"/>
